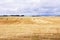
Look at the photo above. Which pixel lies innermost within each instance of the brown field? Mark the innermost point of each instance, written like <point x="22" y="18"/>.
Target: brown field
<point x="30" y="28"/>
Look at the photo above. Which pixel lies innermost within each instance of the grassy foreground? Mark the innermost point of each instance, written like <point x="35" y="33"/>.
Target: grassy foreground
<point x="30" y="28"/>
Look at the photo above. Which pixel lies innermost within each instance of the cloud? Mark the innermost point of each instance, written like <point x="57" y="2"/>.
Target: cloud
<point x="30" y="7"/>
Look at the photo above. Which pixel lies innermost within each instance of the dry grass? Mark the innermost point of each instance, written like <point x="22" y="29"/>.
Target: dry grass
<point x="30" y="28"/>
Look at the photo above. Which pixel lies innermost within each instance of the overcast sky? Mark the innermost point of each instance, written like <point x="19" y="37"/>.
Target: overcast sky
<point x="29" y="7"/>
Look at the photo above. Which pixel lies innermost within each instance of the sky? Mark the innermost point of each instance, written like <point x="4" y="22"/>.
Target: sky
<point x="29" y="7"/>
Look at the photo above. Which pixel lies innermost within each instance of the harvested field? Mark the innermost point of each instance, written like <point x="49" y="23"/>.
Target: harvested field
<point x="30" y="28"/>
